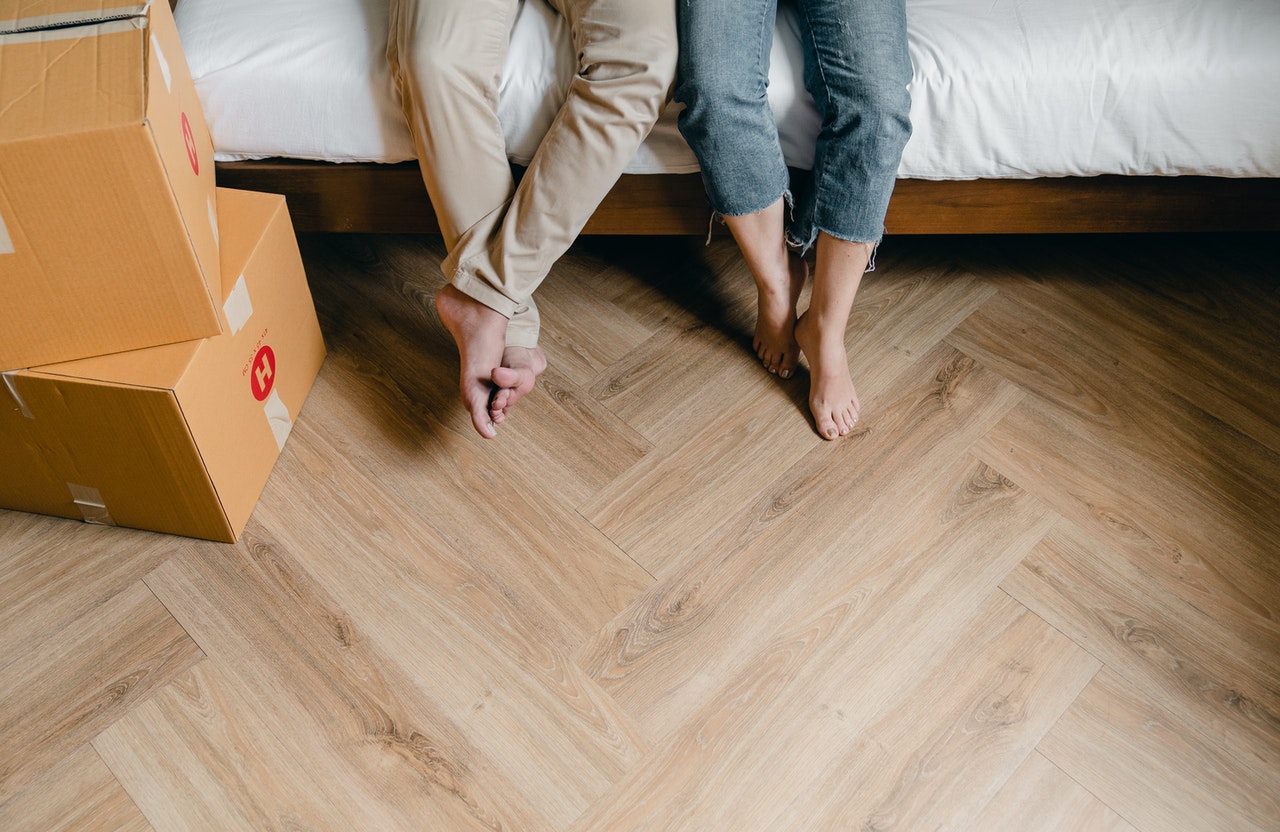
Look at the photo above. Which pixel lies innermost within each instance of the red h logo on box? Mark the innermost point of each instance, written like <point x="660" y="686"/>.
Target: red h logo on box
<point x="262" y="377"/>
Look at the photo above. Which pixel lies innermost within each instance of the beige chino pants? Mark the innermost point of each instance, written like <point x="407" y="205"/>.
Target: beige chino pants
<point x="447" y="56"/>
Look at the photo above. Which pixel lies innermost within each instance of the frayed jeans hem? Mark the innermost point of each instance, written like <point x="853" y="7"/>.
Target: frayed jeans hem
<point x="802" y="247"/>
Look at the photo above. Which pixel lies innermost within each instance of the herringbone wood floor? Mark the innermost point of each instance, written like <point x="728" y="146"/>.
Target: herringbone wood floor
<point x="1037" y="590"/>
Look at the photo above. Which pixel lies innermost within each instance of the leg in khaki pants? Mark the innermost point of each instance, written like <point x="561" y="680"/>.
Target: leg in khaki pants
<point x="447" y="56"/>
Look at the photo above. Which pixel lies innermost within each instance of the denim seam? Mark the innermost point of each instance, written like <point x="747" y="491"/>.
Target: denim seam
<point x="818" y="182"/>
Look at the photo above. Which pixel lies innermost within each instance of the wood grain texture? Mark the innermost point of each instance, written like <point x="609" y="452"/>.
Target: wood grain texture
<point x="1042" y="797"/>
<point x="392" y="198"/>
<point x="1195" y="324"/>
<point x="1219" y="670"/>
<point x="52" y="573"/>
<point x="1035" y="591"/>
<point x="1196" y="495"/>
<point x="1157" y="770"/>
<point x="79" y="794"/>
<point x="941" y="753"/>
<point x="307" y="683"/>
<point x="60" y="690"/>
<point x="859" y="551"/>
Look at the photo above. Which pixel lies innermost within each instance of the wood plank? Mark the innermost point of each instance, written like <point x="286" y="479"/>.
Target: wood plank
<point x="820" y="547"/>
<point x="772" y="748"/>
<point x="221" y="750"/>
<point x="661" y="658"/>
<point x="580" y="335"/>
<point x="936" y="410"/>
<point x="451" y="626"/>
<point x="699" y="359"/>
<point x="1100" y="392"/>
<point x="1041" y="797"/>
<point x="1216" y="666"/>
<point x="667" y="504"/>
<point x="392" y="198"/>
<point x="53" y="571"/>
<point x="61" y="690"/>
<point x="79" y="794"/>
<point x="700" y="484"/>
<point x="1084" y="443"/>
<point x="547" y="559"/>
<point x="1199" y="325"/>
<point x="1156" y="769"/>
<point x="1213" y="555"/>
<point x="293" y="675"/>
<point x="947" y="748"/>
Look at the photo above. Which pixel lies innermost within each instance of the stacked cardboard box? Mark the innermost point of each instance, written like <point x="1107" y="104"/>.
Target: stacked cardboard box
<point x="157" y="335"/>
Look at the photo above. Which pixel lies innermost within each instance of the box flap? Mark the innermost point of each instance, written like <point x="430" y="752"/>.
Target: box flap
<point x="159" y="367"/>
<point x="74" y="78"/>
<point x="34" y="15"/>
<point x="249" y="213"/>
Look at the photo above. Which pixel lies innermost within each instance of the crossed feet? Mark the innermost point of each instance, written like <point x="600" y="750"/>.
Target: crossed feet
<point x="780" y="339"/>
<point x="493" y="376"/>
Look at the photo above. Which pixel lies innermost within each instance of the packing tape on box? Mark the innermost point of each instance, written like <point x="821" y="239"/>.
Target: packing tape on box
<point x="46" y="27"/>
<point x="213" y="222"/>
<point x="6" y="242"/>
<point x="238" y="307"/>
<point x="278" y="418"/>
<point x="162" y="63"/>
<point x="12" y="383"/>
<point x="89" y="500"/>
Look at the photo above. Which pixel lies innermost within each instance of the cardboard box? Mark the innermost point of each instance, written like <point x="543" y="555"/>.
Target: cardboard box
<point x="179" y="438"/>
<point x="108" y="216"/>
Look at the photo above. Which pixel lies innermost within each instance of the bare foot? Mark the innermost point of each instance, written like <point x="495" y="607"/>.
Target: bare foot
<point x="480" y="333"/>
<point x="520" y="368"/>
<point x="832" y="397"/>
<point x="776" y="297"/>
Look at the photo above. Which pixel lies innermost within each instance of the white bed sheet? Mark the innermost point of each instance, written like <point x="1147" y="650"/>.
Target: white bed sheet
<point x="1001" y="88"/>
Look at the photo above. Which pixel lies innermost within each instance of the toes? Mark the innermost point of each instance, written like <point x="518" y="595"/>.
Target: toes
<point x="484" y="424"/>
<point x="506" y="379"/>
<point x="827" y="428"/>
<point x="835" y="422"/>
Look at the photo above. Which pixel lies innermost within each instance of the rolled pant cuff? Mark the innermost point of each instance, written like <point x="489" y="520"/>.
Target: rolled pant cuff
<point x="476" y="289"/>
<point x="522" y="322"/>
<point x="521" y="334"/>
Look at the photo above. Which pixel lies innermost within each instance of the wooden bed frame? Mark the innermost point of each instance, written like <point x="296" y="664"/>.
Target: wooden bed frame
<point x="391" y="198"/>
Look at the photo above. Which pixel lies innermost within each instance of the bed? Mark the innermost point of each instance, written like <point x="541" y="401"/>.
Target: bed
<point x="1028" y="116"/>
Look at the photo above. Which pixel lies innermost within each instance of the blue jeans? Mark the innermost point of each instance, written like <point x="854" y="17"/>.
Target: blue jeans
<point x="856" y="67"/>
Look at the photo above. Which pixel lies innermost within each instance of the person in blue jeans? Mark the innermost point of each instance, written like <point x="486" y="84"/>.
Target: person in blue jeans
<point x="857" y="69"/>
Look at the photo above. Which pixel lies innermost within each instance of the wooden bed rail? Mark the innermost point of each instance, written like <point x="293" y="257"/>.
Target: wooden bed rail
<point x="391" y="198"/>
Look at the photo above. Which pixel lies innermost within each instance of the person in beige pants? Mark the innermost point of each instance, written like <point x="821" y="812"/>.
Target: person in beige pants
<point x="446" y="57"/>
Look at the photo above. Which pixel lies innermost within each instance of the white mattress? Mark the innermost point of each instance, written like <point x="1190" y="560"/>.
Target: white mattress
<point x="1002" y="88"/>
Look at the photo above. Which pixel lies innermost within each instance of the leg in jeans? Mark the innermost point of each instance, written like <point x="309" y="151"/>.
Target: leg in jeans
<point x="626" y="52"/>
<point x="858" y="75"/>
<point x="724" y="73"/>
<point x="857" y="68"/>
